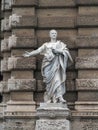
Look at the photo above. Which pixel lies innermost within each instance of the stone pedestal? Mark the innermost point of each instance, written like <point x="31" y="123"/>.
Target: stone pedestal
<point x="53" y="116"/>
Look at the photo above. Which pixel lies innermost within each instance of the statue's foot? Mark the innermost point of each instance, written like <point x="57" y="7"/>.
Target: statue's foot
<point x="62" y="100"/>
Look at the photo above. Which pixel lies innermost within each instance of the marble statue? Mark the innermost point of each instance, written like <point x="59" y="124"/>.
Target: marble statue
<point x="56" y="57"/>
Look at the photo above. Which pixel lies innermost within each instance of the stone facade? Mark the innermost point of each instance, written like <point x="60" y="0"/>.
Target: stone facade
<point x="25" y="25"/>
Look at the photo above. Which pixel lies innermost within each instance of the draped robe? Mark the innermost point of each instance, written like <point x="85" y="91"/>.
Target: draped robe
<point x="54" y="68"/>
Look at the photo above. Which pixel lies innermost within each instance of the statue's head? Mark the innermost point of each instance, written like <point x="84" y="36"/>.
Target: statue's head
<point x="53" y="34"/>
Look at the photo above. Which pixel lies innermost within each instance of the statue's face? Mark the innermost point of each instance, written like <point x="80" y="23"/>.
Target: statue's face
<point x="53" y="34"/>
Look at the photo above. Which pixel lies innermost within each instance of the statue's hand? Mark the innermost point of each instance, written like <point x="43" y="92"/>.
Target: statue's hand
<point x="26" y="54"/>
<point x="55" y="51"/>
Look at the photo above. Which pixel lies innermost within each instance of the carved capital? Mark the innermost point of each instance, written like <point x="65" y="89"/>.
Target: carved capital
<point x="14" y="19"/>
<point x="5" y="24"/>
<point x="6" y="4"/>
<point x="12" y="41"/>
<point x="4" y="65"/>
<point x="4" y="45"/>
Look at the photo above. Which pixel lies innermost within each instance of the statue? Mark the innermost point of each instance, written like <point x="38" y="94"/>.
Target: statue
<point x="56" y="56"/>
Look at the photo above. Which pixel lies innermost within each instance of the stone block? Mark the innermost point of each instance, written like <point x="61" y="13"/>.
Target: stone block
<point x="86" y="62"/>
<point x="21" y="63"/>
<point x="87" y="20"/>
<point x="3" y="86"/>
<point x="54" y="3"/>
<point x="24" y="11"/>
<point x="27" y="74"/>
<point x="88" y="10"/>
<point x="87" y="74"/>
<point x="21" y="42"/>
<point x="87" y="52"/>
<point x="21" y="84"/>
<point x="22" y="21"/>
<point x="24" y="33"/>
<point x="19" y="123"/>
<point x="21" y="96"/>
<point x="56" y="22"/>
<point x="86" y="41"/>
<point x="91" y="95"/>
<point x="55" y="12"/>
<point x="87" y="2"/>
<point x="87" y="84"/>
<point x="25" y="3"/>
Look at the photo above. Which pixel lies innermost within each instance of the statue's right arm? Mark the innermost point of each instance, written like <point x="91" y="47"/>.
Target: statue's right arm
<point x="35" y="52"/>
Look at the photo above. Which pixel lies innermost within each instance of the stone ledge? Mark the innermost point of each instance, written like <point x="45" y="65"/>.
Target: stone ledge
<point x="85" y="114"/>
<point x="87" y="62"/>
<point x="80" y="106"/>
<point x="87" y="84"/>
<point x="87" y="20"/>
<point x="87" y="2"/>
<point x="20" y="63"/>
<point x="87" y="42"/>
<point x="25" y="3"/>
<point x="57" y="22"/>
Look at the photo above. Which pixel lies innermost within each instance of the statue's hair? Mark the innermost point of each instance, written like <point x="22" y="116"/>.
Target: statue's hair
<point x="52" y="30"/>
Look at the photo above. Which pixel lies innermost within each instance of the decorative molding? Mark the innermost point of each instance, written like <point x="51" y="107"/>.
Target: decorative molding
<point x="87" y="84"/>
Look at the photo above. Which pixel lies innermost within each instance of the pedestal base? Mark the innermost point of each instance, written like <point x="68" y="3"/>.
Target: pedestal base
<point x="53" y="116"/>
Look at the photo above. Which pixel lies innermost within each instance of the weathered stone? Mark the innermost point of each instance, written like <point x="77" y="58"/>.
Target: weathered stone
<point x="27" y="74"/>
<point x="22" y="21"/>
<point x="86" y="41"/>
<point x="52" y="116"/>
<point x="56" y="22"/>
<point x="87" y="74"/>
<point x="87" y="52"/>
<point x="88" y="10"/>
<point x="87" y="2"/>
<point x="6" y="4"/>
<point x="85" y="123"/>
<point x="25" y="3"/>
<point x="3" y="86"/>
<point x="88" y="95"/>
<point x="87" y="62"/>
<point x="21" y="84"/>
<point x="23" y="42"/>
<point x="87" y="84"/>
<point x="54" y="3"/>
<point x="24" y="11"/>
<point x="21" y="63"/>
<point x="87" y="20"/>
<point x="24" y="33"/>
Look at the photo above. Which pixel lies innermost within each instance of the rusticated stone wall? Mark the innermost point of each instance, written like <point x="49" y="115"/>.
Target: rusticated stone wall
<point x="25" y="25"/>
